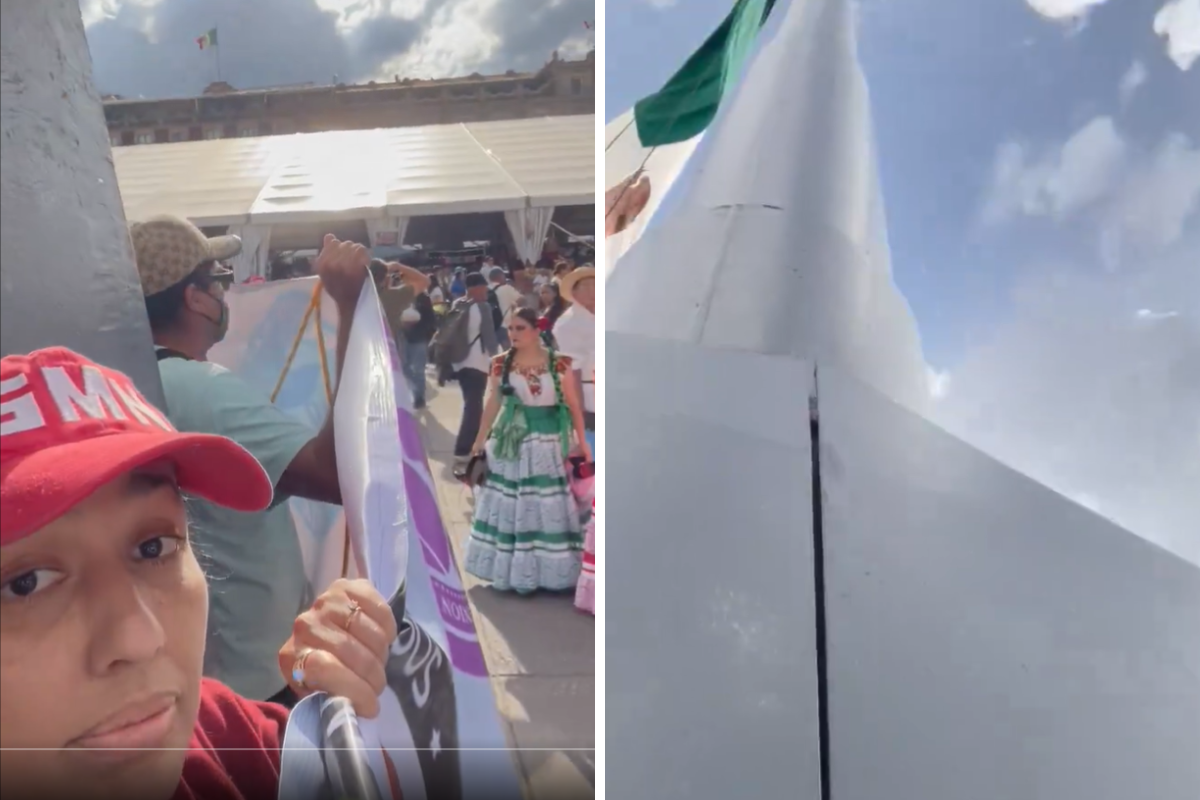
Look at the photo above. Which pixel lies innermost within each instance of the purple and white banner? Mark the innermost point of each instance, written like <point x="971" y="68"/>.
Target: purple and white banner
<point x="439" y="735"/>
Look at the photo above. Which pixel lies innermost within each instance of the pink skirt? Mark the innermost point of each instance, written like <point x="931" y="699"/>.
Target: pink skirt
<point x="585" y="590"/>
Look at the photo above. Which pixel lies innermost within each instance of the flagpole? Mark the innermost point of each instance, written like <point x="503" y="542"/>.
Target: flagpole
<point x="217" y="53"/>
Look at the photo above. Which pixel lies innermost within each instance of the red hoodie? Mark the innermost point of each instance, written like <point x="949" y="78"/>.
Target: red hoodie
<point x="235" y="749"/>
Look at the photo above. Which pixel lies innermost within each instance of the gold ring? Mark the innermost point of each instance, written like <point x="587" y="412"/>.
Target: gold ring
<point x="355" y="610"/>
<point x="298" y="669"/>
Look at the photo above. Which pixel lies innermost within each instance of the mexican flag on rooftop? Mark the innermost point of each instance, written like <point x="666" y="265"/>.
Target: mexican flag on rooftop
<point x="688" y="102"/>
<point x="207" y="40"/>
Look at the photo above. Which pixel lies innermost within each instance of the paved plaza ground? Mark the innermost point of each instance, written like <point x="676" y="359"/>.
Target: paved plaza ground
<point x="540" y="651"/>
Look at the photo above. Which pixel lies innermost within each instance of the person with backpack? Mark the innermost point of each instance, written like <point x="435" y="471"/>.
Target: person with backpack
<point x="503" y="298"/>
<point x="419" y="322"/>
<point x="463" y="348"/>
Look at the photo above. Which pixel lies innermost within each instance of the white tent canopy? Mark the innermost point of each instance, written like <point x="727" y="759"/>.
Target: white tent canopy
<point x="373" y="174"/>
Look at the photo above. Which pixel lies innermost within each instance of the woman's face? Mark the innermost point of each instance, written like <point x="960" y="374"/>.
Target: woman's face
<point x="102" y="630"/>
<point x="547" y="296"/>
<point x="521" y="333"/>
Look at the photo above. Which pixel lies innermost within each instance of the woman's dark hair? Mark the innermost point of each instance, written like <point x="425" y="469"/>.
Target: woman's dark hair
<point x="530" y="318"/>
<point x="163" y="308"/>
<point x="528" y="315"/>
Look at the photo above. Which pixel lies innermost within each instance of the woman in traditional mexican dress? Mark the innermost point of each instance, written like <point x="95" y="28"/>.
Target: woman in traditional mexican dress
<point x="528" y="528"/>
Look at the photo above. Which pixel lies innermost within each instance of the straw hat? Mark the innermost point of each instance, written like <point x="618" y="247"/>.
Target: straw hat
<point x="566" y="285"/>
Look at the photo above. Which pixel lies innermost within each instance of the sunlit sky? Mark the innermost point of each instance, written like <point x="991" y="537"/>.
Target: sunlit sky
<point x="1040" y="162"/>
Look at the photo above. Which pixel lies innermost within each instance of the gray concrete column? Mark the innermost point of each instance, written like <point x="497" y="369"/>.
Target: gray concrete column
<point x="67" y="274"/>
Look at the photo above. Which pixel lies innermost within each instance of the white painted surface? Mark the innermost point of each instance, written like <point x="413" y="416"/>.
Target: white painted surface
<point x="709" y="602"/>
<point x="988" y="638"/>
<point x="780" y="248"/>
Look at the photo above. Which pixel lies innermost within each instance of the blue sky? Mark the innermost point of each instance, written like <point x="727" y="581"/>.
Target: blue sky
<point x="1040" y="162"/>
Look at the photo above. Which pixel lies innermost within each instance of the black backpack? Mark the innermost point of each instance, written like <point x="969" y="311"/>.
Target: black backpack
<point x="497" y="314"/>
<point x="450" y="344"/>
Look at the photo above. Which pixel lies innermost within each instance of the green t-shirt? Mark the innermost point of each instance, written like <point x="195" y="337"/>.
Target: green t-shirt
<point x="256" y="578"/>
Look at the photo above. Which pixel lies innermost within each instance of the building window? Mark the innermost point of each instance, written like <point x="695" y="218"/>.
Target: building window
<point x="576" y="86"/>
<point x="176" y="136"/>
<point x="230" y="131"/>
<point x="212" y="133"/>
<point x="248" y="131"/>
<point x="162" y="135"/>
<point x="195" y="133"/>
<point x="144" y="138"/>
<point x="126" y="138"/>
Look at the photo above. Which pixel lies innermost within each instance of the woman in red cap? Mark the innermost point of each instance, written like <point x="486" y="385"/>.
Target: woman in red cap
<point x="103" y="604"/>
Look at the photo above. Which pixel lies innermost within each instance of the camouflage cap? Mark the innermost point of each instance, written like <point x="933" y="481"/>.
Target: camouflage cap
<point x="168" y="249"/>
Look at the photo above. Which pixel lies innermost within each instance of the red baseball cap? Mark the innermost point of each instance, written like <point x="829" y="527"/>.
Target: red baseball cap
<point x="68" y="426"/>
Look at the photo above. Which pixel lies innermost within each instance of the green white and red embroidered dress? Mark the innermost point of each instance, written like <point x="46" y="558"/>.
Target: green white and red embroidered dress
<point x="528" y="530"/>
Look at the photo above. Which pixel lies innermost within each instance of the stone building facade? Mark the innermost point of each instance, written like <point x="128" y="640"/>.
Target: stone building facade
<point x="561" y="87"/>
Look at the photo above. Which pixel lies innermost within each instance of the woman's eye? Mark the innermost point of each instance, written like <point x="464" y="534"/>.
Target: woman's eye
<point x="158" y="548"/>
<point x="29" y="584"/>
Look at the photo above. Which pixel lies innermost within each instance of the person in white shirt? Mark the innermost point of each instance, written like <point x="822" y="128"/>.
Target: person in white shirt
<point x="506" y="293"/>
<point x="575" y="332"/>
<point x="472" y="372"/>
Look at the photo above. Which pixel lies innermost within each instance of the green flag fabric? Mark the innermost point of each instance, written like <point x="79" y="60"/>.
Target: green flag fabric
<point x="688" y="102"/>
<point x="207" y="40"/>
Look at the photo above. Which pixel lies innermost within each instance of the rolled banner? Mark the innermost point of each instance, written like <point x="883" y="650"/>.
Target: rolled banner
<point x="345" y="753"/>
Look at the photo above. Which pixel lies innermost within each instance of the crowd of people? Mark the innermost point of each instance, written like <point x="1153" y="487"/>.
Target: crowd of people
<point x="520" y="345"/>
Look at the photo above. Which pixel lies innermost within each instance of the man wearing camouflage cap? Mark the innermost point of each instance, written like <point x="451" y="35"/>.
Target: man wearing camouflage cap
<point x="254" y="560"/>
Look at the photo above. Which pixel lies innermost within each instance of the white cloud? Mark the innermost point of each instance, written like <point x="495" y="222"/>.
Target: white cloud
<point x="1141" y="201"/>
<point x="143" y="46"/>
<point x="1059" y="183"/>
<point x="938" y="382"/>
<point x="1092" y="392"/>
<point x="1064" y="10"/>
<point x="1155" y="202"/>
<point x="457" y="42"/>
<point x="1093" y="386"/>
<point x="1150" y="315"/>
<point x="354" y="13"/>
<point x="662" y="3"/>
<point x="95" y="11"/>
<point x="1179" y="23"/>
<point x="1131" y="81"/>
